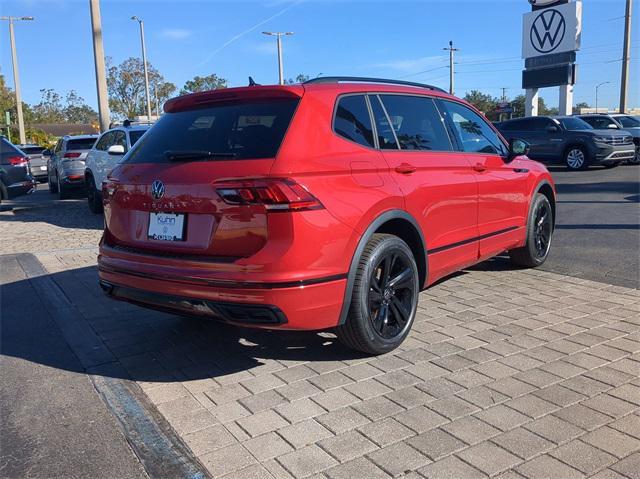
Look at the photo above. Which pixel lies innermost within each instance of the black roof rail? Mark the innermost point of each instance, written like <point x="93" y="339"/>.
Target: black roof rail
<point x="372" y="80"/>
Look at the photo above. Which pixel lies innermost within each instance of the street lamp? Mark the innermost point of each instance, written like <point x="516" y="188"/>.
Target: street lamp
<point x="16" y="74"/>
<point x="598" y="86"/>
<point x="278" y="35"/>
<point x="144" y="64"/>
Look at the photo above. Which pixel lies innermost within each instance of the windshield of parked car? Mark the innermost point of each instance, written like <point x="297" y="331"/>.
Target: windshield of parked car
<point x="135" y="135"/>
<point x="574" y="124"/>
<point x="628" y="121"/>
<point x="238" y="130"/>
<point x="80" y="144"/>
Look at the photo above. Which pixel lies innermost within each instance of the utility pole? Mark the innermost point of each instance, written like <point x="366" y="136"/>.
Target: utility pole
<point x="16" y="75"/>
<point x="278" y="36"/>
<point x="504" y="93"/>
<point x="451" y="72"/>
<point x="98" y="59"/>
<point x="625" y="57"/>
<point x="144" y="64"/>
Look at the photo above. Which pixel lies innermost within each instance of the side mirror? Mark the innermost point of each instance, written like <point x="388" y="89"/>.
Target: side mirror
<point x="612" y="126"/>
<point x="116" y="150"/>
<point x="517" y="148"/>
<point x="552" y="128"/>
<point x="46" y="152"/>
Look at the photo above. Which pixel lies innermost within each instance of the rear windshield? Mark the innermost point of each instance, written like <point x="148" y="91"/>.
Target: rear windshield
<point x="80" y="144"/>
<point x="135" y="135"/>
<point x="32" y="150"/>
<point x="226" y="131"/>
<point x="574" y="124"/>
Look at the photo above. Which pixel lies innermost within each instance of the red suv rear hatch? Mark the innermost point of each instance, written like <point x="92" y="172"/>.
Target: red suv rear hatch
<point x="166" y="195"/>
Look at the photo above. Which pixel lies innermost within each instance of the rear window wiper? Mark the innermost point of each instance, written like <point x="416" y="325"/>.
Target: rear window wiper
<point x="186" y="155"/>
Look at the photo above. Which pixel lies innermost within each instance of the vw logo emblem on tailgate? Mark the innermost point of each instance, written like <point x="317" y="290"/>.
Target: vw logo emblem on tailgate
<point x="157" y="189"/>
<point x="547" y="31"/>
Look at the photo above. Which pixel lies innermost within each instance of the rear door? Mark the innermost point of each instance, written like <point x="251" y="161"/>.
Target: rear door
<point x="438" y="184"/>
<point x="502" y="202"/>
<point x="97" y="158"/>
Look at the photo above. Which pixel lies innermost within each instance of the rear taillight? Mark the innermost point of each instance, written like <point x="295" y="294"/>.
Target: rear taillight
<point x="273" y="194"/>
<point x="108" y="190"/>
<point x="18" y="160"/>
<point x="72" y="155"/>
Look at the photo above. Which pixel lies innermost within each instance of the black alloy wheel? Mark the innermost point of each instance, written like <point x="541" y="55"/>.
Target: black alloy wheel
<point x="391" y="292"/>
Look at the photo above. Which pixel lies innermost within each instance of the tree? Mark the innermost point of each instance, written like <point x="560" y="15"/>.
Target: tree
<point x="50" y="108"/>
<point x="519" y="110"/>
<point x="300" y="78"/>
<point x="210" y="82"/>
<point x="580" y="106"/>
<point x="125" y="83"/>
<point x="482" y="101"/>
<point x="77" y="111"/>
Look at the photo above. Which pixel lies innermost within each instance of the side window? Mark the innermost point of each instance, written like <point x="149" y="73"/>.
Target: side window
<point x="352" y="120"/>
<point x="386" y="136"/>
<point x="541" y="124"/>
<point x="104" y="142"/>
<point x="120" y="138"/>
<point x="474" y="133"/>
<point x="417" y="123"/>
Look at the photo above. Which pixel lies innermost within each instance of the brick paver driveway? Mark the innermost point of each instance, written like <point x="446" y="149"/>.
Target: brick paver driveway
<point x="507" y="373"/>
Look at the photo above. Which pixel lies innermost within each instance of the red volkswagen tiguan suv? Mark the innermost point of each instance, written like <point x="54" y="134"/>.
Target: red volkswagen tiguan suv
<point x="329" y="204"/>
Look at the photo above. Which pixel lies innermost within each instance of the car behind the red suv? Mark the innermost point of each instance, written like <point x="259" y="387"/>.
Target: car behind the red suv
<point x="329" y="204"/>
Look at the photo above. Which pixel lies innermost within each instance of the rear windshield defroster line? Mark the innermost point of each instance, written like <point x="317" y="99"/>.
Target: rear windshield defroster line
<point x="229" y="131"/>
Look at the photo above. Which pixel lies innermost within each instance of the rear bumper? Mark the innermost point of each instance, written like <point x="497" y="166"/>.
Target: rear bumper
<point x="303" y="305"/>
<point x="21" y="188"/>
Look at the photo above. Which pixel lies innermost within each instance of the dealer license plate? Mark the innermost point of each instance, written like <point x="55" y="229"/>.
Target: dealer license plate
<point x="166" y="226"/>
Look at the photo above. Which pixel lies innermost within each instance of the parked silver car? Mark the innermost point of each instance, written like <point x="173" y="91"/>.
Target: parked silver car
<point x="37" y="161"/>
<point x="66" y="164"/>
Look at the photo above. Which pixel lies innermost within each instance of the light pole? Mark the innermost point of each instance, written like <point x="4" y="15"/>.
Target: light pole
<point x="16" y="74"/>
<point x="144" y="64"/>
<point x="278" y="35"/>
<point x="626" y="57"/>
<point x="597" y="87"/>
<point x="451" y="73"/>
<point x="98" y="59"/>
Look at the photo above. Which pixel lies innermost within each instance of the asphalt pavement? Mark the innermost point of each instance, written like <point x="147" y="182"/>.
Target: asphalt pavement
<point x="597" y="233"/>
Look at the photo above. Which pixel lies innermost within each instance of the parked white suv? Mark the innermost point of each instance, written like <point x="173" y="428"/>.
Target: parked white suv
<point x="107" y="152"/>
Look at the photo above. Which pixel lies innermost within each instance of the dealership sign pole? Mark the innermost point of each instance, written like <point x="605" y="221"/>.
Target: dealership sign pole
<point x="550" y="38"/>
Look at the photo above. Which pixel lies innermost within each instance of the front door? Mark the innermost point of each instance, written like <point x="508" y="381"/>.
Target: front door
<point x="502" y="185"/>
<point x="438" y="184"/>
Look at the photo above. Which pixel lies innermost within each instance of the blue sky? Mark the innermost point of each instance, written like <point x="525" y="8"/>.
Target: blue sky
<point x="393" y="39"/>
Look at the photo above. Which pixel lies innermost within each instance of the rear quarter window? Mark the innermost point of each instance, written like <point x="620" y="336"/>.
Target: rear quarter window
<point x="239" y="130"/>
<point x="352" y="120"/>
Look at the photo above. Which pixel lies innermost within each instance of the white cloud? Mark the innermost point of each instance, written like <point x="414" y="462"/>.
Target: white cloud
<point x="176" y="33"/>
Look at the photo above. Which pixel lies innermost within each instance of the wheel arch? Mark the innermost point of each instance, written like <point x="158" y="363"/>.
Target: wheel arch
<point x="545" y="188"/>
<point x="398" y="223"/>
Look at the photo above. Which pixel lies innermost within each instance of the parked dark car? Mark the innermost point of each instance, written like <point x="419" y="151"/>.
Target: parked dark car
<point x="570" y="140"/>
<point x="15" y="176"/>
<point x="617" y="122"/>
<point x="37" y="161"/>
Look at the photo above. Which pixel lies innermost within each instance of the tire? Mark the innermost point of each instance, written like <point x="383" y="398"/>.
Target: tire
<point x="382" y="311"/>
<point x="636" y="159"/>
<point x="576" y="158"/>
<point x="539" y="235"/>
<point x="93" y="199"/>
<point x="63" y="194"/>
<point x="53" y="187"/>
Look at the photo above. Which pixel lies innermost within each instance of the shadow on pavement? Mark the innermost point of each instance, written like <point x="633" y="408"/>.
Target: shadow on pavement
<point x="152" y="346"/>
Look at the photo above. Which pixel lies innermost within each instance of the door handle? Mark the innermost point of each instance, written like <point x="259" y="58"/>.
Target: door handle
<point x="405" y="169"/>
<point x="479" y="167"/>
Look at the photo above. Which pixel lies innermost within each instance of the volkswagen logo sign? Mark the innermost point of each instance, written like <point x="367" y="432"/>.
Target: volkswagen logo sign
<point x="547" y="31"/>
<point x="157" y="189"/>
